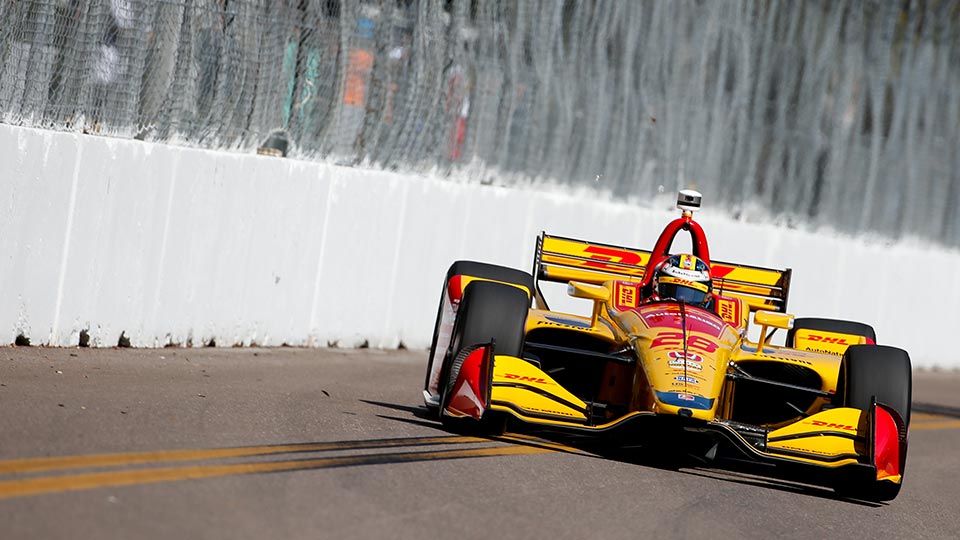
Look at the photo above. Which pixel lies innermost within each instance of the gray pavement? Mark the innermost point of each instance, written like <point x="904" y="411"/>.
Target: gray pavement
<point x="296" y="443"/>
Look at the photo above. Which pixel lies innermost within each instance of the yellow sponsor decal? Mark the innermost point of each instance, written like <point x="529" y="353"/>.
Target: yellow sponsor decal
<point x="822" y="341"/>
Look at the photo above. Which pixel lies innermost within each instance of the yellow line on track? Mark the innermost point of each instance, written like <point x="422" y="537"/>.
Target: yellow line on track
<point x="526" y="439"/>
<point x="926" y="416"/>
<point x="134" y="458"/>
<point x="935" y="425"/>
<point x="37" y="486"/>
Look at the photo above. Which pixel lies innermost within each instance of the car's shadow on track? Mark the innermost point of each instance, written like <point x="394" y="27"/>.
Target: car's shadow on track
<point x="419" y="412"/>
<point x="777" y="485"/>
<point x="421" y="416"/>
<point x="640" y="456"/>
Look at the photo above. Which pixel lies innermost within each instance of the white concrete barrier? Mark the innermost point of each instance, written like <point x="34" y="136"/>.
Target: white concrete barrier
<point x="168" y="245"/>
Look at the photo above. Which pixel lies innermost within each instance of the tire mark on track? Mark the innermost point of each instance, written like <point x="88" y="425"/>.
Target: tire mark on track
<point x="30" y="465"/>
<point x="59" y="484"/>
<point x="931" y="408"/>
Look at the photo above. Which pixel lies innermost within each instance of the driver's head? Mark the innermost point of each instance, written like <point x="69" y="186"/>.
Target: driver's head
<point x="683" y="277"/>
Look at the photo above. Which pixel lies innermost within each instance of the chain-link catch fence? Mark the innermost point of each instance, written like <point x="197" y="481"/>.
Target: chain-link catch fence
<point x="844" y="113"/>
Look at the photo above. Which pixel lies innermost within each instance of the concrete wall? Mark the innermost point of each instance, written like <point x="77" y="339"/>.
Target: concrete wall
<point x="168" y="245"/>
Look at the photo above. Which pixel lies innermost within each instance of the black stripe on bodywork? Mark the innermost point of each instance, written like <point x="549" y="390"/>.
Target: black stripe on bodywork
<point x="545" y="394"/>
<point x="817" y="457"/>
<point x="542" y="416"/>
<point x="815" y="434"/>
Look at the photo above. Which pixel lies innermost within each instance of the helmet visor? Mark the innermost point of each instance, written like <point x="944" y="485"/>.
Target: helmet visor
<point x="678" y="292"/>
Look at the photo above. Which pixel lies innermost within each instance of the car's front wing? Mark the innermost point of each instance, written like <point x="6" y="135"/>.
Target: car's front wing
<point x="840" y="441"/>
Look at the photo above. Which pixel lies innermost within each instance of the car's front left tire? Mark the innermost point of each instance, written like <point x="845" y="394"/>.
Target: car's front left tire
<point x="489" y="312"/>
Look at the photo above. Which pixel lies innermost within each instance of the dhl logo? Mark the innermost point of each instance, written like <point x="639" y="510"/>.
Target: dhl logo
<point x="525" y="378"/>
<point x="821" y="423"/>
<point x="620" y="259"/>
<point x="627" y="295"/>
<point x="826" y="339"/>
<point x="570" y="255"/>
<point x="729" y="310"/>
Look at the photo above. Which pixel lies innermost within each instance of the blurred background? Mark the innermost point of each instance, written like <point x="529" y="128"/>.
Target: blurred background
<point x="836" y="114"/>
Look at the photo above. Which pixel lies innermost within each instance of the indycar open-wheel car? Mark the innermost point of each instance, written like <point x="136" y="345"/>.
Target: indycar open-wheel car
<point x="829" y="406"/>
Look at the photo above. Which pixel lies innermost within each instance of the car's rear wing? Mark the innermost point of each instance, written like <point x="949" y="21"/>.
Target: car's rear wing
<point x="561" y="260"/>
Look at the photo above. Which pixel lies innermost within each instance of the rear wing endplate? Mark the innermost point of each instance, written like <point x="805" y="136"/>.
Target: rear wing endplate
<point x="560" y="259"/>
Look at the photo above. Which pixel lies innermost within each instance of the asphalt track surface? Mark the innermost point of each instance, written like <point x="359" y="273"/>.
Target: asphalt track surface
<point x="294" y="443"/>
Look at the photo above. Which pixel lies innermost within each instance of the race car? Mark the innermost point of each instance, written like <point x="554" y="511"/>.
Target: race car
<point x="669" y="357"/>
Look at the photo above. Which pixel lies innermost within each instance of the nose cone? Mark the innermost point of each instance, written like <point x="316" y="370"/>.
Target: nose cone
<point x="684" y="355"/>
<point x="685" y="403"/>
<point x="685" y="380"/>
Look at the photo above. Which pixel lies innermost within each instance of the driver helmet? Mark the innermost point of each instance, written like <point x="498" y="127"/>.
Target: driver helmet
<point x="684" y="278"/>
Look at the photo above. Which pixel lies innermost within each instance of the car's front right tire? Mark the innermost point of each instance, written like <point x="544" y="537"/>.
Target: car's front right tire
<point x="868" y="373"/>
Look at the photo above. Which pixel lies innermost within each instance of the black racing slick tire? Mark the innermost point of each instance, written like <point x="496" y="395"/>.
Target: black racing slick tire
<point x="491" y="272"/>
<point x="479" y="270"/>
<point x="876" y="370"/>
<point x="831" y="325"/>
<point x="489" y="312"/>
<point x="870" y="372"/>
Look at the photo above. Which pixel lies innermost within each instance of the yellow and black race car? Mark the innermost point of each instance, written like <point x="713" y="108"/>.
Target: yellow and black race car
<point x="667" y="356"/>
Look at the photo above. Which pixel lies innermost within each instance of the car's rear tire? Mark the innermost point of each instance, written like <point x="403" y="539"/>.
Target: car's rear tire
<point x="478" y="270"/>
<point x="883" y="373"/>
<point x="831" y="325"/>
<point x="489" y="312"/>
